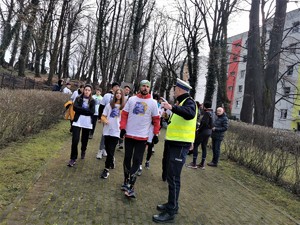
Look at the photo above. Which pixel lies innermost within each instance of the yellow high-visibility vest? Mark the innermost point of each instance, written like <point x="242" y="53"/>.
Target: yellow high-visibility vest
<point x="180" y="129"/>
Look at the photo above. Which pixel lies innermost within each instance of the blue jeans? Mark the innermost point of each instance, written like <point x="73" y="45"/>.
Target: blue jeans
<point x="177" y="157"/>
<point x="216" y="145"/>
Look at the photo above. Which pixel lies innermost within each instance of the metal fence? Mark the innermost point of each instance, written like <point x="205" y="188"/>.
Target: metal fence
<point x="14" y="82"/>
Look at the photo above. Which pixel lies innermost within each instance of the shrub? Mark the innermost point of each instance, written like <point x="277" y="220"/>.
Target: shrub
<point x="24" y="112"/>
<point x="271" y="152"/>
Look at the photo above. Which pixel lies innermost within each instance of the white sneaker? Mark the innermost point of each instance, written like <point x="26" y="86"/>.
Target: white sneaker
<point x="140" y="170"/>
<point x="99" y="154"/>
<point x="104" y="153"/>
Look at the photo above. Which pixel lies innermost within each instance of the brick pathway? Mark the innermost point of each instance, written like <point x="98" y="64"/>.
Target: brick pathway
<point x="64" y="195"/>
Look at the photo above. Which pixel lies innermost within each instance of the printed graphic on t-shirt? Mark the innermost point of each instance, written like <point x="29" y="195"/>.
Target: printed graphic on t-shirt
<point x="85" y="103"/>
<point x="115" y="112"/>
<point x="140" y="108"/>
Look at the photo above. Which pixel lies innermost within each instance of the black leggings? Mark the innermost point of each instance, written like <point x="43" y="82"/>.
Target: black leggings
<point x="149" y="151"/>
<point x="134" y="151"/>
<point x="75" y="140"/>
<point x="110" y="145"/>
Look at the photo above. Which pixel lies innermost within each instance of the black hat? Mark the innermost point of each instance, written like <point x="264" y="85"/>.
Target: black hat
<point x="207" y="105"/>
<point x="115" y="84"/>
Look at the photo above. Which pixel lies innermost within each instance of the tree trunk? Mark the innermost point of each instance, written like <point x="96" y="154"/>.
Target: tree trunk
<point x="45" y="48"/>
<point x="41" y="36"/>
<point x="254" y="64"/>
<point x="15" y="47"/>
<point x="212" y="68"/>
<point x="8" y="30"/>
<point x="27" y="38"/>
<point x="132" y="59"/>
<point x="272" y="70"/>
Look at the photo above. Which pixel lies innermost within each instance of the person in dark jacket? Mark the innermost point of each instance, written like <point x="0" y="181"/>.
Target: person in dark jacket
<point x="179" y="136"/>
<point x="58" y="86"/>
<point x="84" y="107"/>
<point x="220" y="126"/>
<point x="203" y="133"/>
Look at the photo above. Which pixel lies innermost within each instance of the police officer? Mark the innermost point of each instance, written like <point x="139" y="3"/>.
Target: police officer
<point x="179" y="136"/>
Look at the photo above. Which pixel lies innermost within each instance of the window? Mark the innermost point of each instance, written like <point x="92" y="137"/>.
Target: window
<point x="237" y="104"/>
<point x="243" y="72"/>
<point x="295" y="27"/>
<point x="230" y="88"/>
<point x="232" y="73"/>
<point x="244" y="58"/>
<point x="287" y="91"/>
<point x="283" y="113"/>
<point x="290" y="70"/>
<point x="240" y="88"/>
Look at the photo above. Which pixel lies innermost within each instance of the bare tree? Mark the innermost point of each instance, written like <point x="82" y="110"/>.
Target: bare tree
<point x="192" y="32"/>
<point x="7" y="15"/>
<point x="54" y="53"/>
<point x="141" y="19"/>
<point x="216" y="13"/>
<point x="41" y="35"/>
<point x="27" y="38"/>
<point x="254" y="64"/>
<point x="169" y="54"/>
<point x="272" y="69"/>
<point x="72" y="24"/>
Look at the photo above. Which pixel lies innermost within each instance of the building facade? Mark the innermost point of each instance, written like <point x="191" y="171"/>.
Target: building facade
<point x="287" y="108"/>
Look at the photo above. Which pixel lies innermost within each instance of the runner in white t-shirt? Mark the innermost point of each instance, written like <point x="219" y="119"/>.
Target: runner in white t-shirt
<point x="111" y="117"/>
<point x="105" y="100"/>
<point x="137" y="116"/>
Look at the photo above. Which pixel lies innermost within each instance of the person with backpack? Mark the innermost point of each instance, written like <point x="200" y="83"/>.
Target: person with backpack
<point x="203" y="133"/>
<point x="218" y="130"/>
<point x="84" y="107"/>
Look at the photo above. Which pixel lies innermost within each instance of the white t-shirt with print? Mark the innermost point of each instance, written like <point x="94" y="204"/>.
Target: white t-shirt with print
<point x="113" y="117"/>
<point x="84" y="121"/>
<point x="107" y="98"/>
<point x="140" y="113"/>
<point x="97" y="99"/>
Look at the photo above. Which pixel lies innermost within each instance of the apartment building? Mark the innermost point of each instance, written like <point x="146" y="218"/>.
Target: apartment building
<point x="287" y="108"/>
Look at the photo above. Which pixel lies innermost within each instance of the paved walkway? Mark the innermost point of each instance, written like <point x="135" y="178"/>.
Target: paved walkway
<point x="64" y="195"/>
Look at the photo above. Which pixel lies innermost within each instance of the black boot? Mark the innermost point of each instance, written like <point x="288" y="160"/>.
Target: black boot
<point x="163" y="217"/>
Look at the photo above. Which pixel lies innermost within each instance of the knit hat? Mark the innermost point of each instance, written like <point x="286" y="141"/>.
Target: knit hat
<point x="145" y="82"/>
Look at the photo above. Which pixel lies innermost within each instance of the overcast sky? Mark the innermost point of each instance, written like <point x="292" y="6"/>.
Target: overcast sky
<point x="238" y="24"/>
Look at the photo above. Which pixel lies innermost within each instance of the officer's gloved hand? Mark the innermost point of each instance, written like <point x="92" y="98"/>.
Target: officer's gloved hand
<point x="155" y="139"/>
<point x="122" y="133"/>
